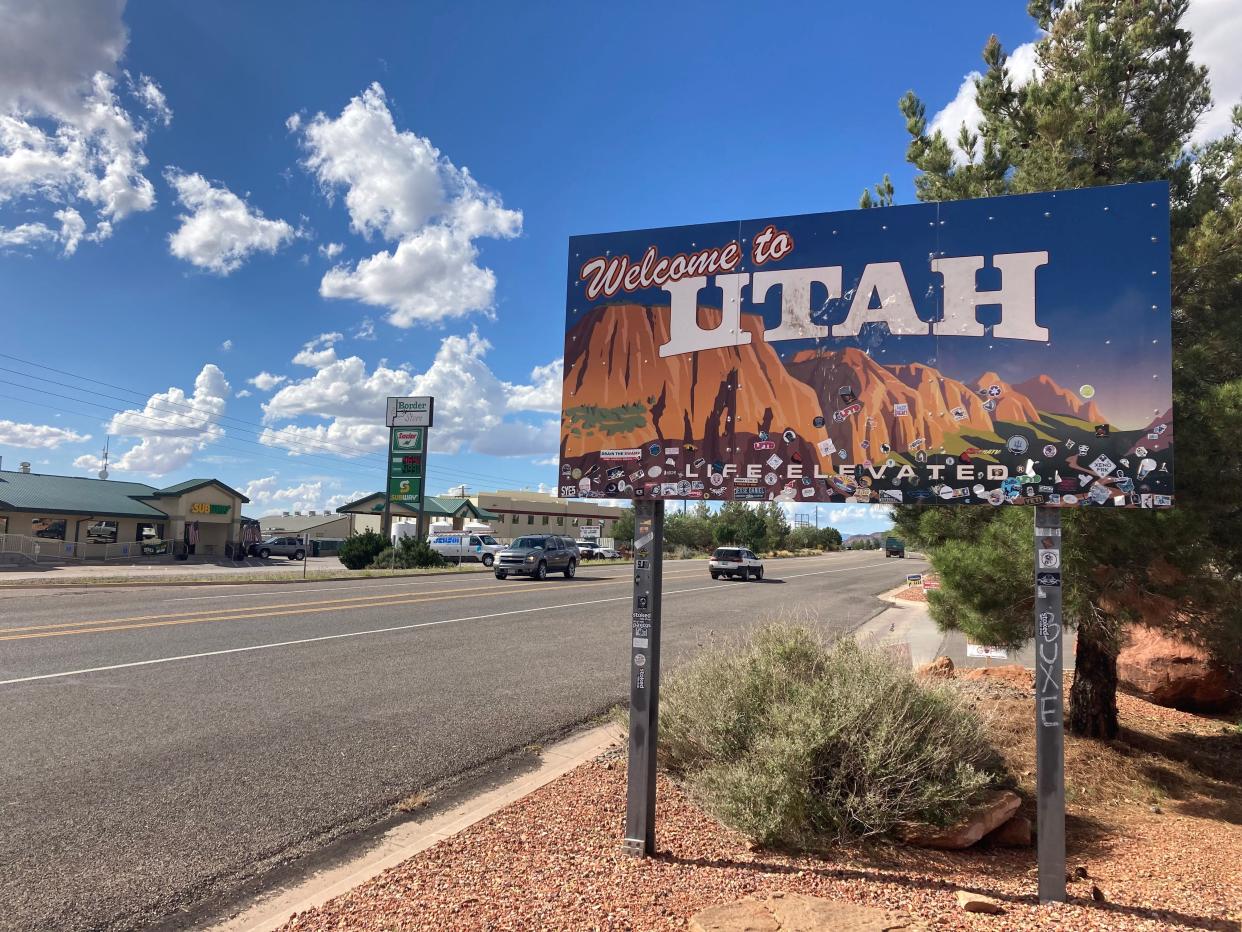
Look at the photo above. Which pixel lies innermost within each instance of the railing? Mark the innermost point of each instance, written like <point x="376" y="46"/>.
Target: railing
<point x="36" y="548"/>
<point x="50" y="548"/>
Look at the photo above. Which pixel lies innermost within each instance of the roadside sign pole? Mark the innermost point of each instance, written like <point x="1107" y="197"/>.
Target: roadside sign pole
<point x="640" y="797"/>
<point x="387" y="522"/>
<point x="1049" y="706"/>
<point x="306" y="552"/>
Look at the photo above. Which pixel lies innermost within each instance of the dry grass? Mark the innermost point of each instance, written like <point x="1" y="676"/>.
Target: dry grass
<point x="415" y="801"/>
<point x="1163" y="756"/>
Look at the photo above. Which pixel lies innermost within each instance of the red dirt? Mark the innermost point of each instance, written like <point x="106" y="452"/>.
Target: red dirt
<point x="553" y="860"/>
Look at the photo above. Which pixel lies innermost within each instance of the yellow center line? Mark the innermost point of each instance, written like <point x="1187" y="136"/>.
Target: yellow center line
<point x="241" y="613"/>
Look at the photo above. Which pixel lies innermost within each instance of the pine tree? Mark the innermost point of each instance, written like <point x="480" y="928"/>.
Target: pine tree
<point x="1115" y="99"/>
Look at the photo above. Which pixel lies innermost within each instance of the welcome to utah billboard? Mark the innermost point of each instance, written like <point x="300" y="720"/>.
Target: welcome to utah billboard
<point x="1010" y="350"/>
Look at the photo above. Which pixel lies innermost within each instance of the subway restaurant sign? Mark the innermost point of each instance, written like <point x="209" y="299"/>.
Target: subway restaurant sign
<point x="1002" y="351"/>
<point x="203" y="508"/>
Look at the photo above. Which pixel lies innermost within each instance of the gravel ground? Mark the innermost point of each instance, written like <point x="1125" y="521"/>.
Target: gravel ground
<point x="552" y="861"/>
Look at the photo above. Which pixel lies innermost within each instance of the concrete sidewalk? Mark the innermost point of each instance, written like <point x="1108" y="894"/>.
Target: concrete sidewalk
<point x="907" y="628"/>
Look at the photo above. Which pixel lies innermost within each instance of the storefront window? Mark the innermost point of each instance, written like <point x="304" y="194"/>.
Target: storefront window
<point x="48" y="528"/>
<point x="102" y="532"/>
<point x="149" y="532"/>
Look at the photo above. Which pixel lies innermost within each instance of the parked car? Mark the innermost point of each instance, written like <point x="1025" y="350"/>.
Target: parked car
<point x="536" y="556"/>
<point x="735" y="561"/>
<point x="894" y="547"/>
<point x="101" y="533"/>
<point x="292" y="547"/>
<point x="609" y="553"/>
<point x="588" y="549"/>
<point x="461" y="546"/>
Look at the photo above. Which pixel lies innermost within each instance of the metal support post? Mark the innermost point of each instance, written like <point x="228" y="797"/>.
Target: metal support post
<point x="1049" y="706"/>
<point x="640" y="798"/>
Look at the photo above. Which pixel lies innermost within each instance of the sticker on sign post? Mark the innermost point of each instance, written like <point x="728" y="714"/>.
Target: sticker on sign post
<point x="1049" y="559"/>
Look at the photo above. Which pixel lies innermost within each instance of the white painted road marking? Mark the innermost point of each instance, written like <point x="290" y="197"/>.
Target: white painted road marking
<point x="353" y="634"/>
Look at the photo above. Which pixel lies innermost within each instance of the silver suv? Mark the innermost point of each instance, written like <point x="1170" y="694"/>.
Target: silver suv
<point x="292" y="547"/>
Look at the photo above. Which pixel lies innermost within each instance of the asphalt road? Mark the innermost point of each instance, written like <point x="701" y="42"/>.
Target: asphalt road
<point x="162" y="745"/>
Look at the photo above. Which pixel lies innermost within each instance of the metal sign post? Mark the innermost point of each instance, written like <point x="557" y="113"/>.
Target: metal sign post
<point x="640" y="798"/>
<point x="1049" y="707"/>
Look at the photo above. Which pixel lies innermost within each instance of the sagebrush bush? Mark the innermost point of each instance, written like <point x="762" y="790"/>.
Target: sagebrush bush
<point x="407" y="555"/>
<point x="357" y="551"/>
<point x="797" y="743"/>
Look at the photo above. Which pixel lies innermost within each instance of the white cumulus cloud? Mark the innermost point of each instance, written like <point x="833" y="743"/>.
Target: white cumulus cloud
<point x="319" y="352"/>
<point x="221" y="230"/>
<point x="331" y="250"/>
<point x="398" y="186"/>
<point x="37" y="436"/>
<point x="1216" y="28"/>
<point x="964" y="109"/>
<point x="265" y="381"/>
<point x="344" y="403"/>
<point x="171" y="427"/>
<point x="68" y="139"/>
<point x="266" y="495"/>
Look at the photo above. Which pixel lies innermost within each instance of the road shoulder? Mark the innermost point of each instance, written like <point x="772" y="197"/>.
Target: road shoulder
<point x="272" y="908"/>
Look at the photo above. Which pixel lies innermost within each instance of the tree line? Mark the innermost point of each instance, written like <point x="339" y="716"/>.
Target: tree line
<point x="763" y="529"/>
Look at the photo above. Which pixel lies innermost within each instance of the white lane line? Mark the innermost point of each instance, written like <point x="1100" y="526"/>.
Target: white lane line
<point x="354" y="634"/>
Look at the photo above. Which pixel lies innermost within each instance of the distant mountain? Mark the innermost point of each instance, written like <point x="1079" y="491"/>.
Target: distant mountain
<point x="1048" y="396"/>
<point x="931" y="407"/>
<point x="874" y="535"/>
<point x="1011" y="404"/>
<point x="1162" y="428"/>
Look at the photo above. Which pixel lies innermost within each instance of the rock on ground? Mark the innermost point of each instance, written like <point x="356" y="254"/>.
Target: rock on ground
<point x="1170" y="671"/>
<point x="997" y="808"/>
<point x="794" y="912"/>
<point x="1016" y="833"/>
<point x="978" y="903"/>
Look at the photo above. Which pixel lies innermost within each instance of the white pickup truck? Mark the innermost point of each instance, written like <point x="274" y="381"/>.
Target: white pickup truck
<point x="456" y="545"/>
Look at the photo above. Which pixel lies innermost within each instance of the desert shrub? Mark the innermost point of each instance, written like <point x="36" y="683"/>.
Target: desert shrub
<point x="797" y="743"/>
<point x="358" y="551"/>
<point x="408" y="554"/>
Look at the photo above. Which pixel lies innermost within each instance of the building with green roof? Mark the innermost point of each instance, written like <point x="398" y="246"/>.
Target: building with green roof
<point x="73" y="516"/>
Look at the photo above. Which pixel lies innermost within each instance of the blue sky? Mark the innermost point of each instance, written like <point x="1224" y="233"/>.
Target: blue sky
<point x="368" y="199"/>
